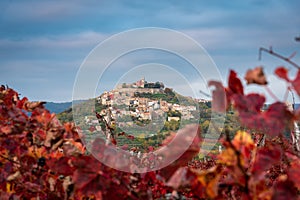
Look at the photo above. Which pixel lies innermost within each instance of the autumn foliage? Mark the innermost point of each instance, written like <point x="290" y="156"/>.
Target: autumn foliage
<point x="43" y="159"/>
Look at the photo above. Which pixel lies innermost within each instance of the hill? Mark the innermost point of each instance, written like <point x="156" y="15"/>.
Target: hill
<point x="60" y="107"/>
<point x="161" y="110"/>
<point x="162" y="100"/>
<point x="57" y="107"/>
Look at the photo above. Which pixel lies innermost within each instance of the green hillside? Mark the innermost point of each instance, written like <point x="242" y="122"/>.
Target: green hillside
<point x="143" y="140"/>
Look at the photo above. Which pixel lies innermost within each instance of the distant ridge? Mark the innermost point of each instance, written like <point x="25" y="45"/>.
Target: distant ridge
<point x="60" y="107"/>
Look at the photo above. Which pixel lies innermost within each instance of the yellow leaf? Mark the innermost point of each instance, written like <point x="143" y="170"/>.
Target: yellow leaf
<point x="210" y="179"/>
<point x="36" y="152"/>
<point x="9" y="187"/>
<point x="212" y="188"/>
<point x="242" y="138"/>
<point x="228" y="157"/>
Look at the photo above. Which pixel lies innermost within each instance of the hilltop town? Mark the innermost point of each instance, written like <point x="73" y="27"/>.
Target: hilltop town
<point x="144" y="101"/>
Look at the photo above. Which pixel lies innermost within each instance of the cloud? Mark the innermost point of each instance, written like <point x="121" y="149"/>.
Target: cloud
<point x="46" y="41"/>
<point x="43" y="65"/>
<point x="81" y="40"/>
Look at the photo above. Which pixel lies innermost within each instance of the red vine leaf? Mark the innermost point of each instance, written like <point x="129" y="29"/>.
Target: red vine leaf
<point x="284" y="189"/>
<point x="267" y="121"/>
<point x="266" y="157"/>
<point x="21" y="103"/>
<point x="282" y="72"/>
<point x="182" y="177"/>
<point x="234" y="84"/>
<point x="61" y="166"/>
<point x="251" y="103"/>
<point x="87" y="176"/>
<point x="294" y="173"/>
<point x="183" y="138"/>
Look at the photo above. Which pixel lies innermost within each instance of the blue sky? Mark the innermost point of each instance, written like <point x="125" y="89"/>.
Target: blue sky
<point x="43" y="43"/>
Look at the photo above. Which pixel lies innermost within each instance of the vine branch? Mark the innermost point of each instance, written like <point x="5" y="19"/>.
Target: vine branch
<point x="271" y="52"/>
<point x="9" y="159"/>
